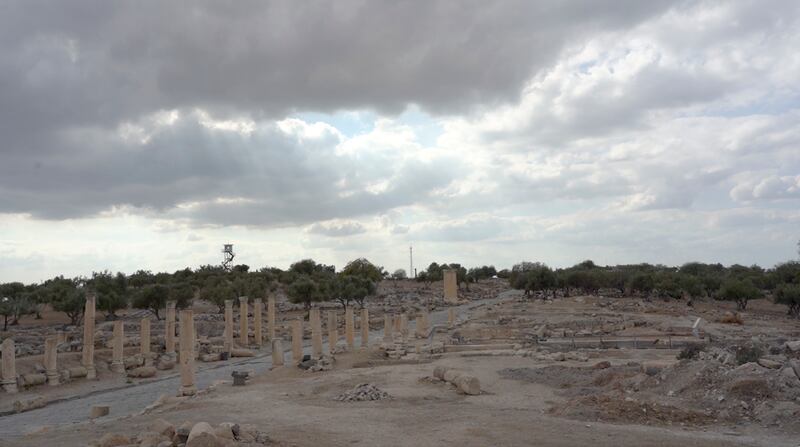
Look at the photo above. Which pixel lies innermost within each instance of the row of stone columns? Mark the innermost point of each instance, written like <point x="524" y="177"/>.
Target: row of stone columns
<point x="314" y="318"/>
<point x="244" y="328"/>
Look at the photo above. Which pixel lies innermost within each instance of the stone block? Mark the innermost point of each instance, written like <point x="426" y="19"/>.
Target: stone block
<point x="98" y="411"/>
<point x="142" y="372"/>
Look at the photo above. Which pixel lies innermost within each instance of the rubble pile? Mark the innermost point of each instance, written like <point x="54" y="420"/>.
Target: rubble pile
<point x="363" y="392"/>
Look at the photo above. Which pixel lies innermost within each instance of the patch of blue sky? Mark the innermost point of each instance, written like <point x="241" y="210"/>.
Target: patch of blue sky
<point x="356" y="122"/>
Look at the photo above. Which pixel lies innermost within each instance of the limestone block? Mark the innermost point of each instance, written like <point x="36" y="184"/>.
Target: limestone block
<point x="34" y="379"/>
<point x="151" y="439"/>
<point x="98" y="411"/>
<point x="29" y="404"/>
<point x="77" y="372"/>
<point x="210" y="357"/>
<point x="242" y="353"/>
<point x="451" y="375"/>
<point x="202" y="435"/>
<point x="468" y="385"/>
<point x="142" y="372"/>
<point x="112" y="440"/>
<point x="163" y="427"/>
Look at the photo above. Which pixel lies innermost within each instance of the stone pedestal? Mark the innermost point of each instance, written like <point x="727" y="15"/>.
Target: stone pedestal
<point x="349" y="328"/>
<point x="169" y="330"/>
<point x="387" y="328"/>
<point x="186" y="357"/>
<point x="8" y="372"/>
<point x="316" y="333"/>
<point x="228" y="333"/>
<point x="277" y="352"/>
<point x="297" y="341"/>
<point x="333" y="332"/>
<point x="258" y="338"/>
<point x="144" y="341"/>
<point x="118" y="355"/>
<point x="51" y="360"/>
<point x="87" y="357"/>
<point x="271" y="318"/>
<point x="364" y="327"/>
<point x="450" y="286"/>
<point x="243" y="328"/>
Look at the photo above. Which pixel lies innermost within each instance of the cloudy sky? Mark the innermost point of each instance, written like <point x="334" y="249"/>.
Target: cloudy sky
<point x="145" y="134"/>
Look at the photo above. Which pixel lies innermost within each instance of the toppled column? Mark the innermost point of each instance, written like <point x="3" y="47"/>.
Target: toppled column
<point x="297" y="341"/>
<point x="451" y="317"/>
<point x="349" y="329"/>
<point x="364" y="327"/>
<point x="144" y="341"/>
<point x="228" y="334"/>
<point x="243" y="321"/>
<point x="465" y="384"/>
<point x="258" y="339"/>
<point x="450" y="285"/>
<point x="186" y="357"/>
<point x="316" y="333"/>
<point x="271" y="318"/>
<point x="51" y="360"/>
<point x="118" y="355"/>
<point x="333" y="333"/>
<point x="9" y="366"/>
<point x="277" y="352"/>
<point x="87" y="356"/>
<point x="387" y="327"/>
<point x="169" y="330"/>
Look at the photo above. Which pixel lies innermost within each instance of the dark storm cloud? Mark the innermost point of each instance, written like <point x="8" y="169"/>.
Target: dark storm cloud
<point x="72" y="74"/>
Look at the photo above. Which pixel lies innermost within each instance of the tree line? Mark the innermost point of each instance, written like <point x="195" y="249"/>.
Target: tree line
<point x="736" y="283"/>
<point x="305" y="282"/>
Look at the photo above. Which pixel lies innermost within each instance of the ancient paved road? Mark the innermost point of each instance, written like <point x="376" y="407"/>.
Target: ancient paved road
<point x="135" y="398"/>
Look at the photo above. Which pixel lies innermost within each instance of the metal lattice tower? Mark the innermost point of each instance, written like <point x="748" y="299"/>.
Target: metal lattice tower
<point x="227" y="256"/>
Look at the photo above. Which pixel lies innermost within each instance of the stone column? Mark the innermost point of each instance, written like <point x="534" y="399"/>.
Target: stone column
<point x="404" y="325"/>
<point x="118" y="356"/>
<point x="228" y="334"/>
<point x="51" y="360"/>
<point x="186" y="357"/>
<point x="87" y="357"/>
<point x="387" y="327"/>
<point x="364" y="327"/>
<point x="243" y="321"/>
<point x="316" y="333"/>
<point x="333" y="332"/>
<point x="169" y="330"/>
<point x="397" y="321"/>
<point x="9" y="366"/>
<point x="451" y="317"/>
<point x="271" y="317"/>
<point x="450" y="285"/>
<point x="144" y="340"/>
<point x="258" y="338"/>
<point x="277" y="352"/>
<point x="422" y="324"/>
<point x="297" y="341"/>
<point x="349" y="328"/>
